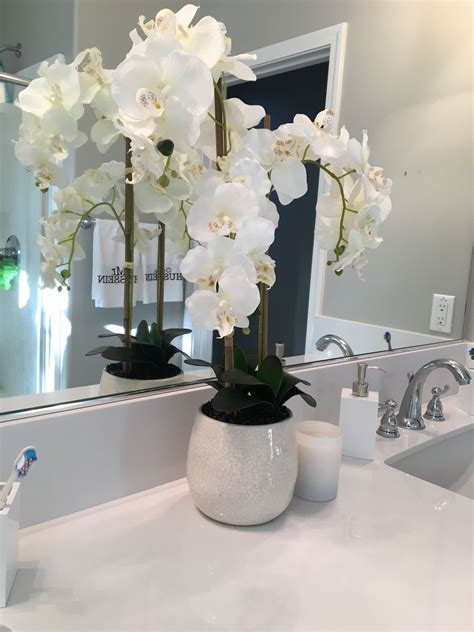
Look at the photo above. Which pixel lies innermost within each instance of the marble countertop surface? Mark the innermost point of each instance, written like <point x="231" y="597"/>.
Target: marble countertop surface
<point x="391" y="552"/>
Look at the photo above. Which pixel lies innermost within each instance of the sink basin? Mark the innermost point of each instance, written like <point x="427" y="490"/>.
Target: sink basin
<point x="446" y="461"/>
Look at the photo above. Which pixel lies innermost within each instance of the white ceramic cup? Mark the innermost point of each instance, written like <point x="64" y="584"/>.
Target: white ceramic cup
<point x="319" y="460"/>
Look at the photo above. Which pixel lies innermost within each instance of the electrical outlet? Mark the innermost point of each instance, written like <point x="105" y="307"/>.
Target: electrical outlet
<point x="442" y="312"/>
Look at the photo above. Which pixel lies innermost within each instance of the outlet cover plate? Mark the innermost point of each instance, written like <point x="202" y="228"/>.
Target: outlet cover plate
<point x="442" y="312"/>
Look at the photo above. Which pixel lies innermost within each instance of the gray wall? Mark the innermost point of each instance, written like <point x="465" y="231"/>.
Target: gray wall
<point x="44" y="28"/>
<point x="408" y="80"/>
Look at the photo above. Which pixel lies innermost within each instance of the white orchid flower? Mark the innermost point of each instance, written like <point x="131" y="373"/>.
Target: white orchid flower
<point x="230" y="307"/>
<point x="96" y="184"/>
<point x="362" y="236"/>
<point x="252" y="175"/>
<point x="205" y="40"/>
<point x="55" y="244"/>
<point x="45" y="143"/>
<point x="254" y="239"/>
<point x="58" y="87"/>
<point x="274" y="152"/>
<point x="358" y="154"/>
<point x="38" y="159"/>
<point x="329" y="209"/>
<point x="69" y="200"/>
<point x="234" y="65"/>
<point x="367" y="223"/>
<point x="165" y="96"/>
<point x="152" y="197"/>
<point x="50" y="275"/>
<point x="268" y="210"/>
<point x="177" y="241"/>
<point x="317" y="134"/>
<point x="365" y="192"/>
<point x="205" y="266"/>
<point x="354" y="254"/>
<point x="240" y="117"/>
<point x="222" y="214"/>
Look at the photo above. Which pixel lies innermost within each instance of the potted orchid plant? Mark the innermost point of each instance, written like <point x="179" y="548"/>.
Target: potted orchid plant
<point x="210" y="190"/>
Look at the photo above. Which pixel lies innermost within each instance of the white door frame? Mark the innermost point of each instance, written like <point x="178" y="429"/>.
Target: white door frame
<point x="329" y="45"/>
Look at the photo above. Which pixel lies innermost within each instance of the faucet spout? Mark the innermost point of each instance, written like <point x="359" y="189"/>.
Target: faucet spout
<point x="409" y="415"/>
<point x="323" y="343"/>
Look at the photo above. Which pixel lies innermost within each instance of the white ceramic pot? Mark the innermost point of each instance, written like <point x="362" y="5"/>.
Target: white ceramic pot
<point x="242" y="475"/>
<point x="111" y="384"/>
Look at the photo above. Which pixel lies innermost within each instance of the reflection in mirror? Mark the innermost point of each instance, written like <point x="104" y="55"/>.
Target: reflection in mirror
<point x="416" y="284"/>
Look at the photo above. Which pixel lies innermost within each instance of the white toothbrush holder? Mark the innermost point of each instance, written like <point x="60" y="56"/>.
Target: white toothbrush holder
<point x="9" y="535"/>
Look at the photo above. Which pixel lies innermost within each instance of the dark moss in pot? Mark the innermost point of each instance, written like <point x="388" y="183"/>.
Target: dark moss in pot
<point x="246" y="417"/>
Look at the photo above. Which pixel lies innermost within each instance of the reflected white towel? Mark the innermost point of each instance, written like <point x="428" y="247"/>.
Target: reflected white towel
<point x="107" y="269"/>
<point x="108" y="257"/>
<point x="174" y="283"/>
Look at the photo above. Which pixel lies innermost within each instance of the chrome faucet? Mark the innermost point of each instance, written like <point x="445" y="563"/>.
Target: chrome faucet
<point x="409" y="415"/>
<point x="323" y="343"/>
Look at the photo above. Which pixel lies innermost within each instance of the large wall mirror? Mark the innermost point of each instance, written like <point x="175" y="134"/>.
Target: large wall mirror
<point x="417" y="104"/>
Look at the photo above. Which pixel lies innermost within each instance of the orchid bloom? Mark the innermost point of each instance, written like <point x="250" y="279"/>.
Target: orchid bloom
<point x="58" y="87"/>
<point x="222" y="214"/>
<point x="234" y="65"/>
<point x="317" y="136"/>
<point x="164" y="94"/>
<point x="240" y="117"/>
<point x="274" y="152"/>
<point x="229" y="307"/>
<point x="205" y="266"/>
<point x="254" y="239"/>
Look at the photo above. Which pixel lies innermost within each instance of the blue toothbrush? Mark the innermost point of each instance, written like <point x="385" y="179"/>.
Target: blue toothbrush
<point x="21" y="467"/>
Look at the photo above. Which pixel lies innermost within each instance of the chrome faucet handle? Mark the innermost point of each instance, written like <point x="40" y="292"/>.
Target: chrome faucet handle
<point x="388" y="424"/>
<point x="434" y="410"/>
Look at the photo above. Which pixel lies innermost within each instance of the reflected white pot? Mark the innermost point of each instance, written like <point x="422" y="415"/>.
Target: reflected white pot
<point x="242" y="475"/>
<point x="111" y="384"/>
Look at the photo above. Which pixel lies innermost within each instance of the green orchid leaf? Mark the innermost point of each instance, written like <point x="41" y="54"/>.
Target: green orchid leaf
<point x="289" y="380"/>
<point x="218" y="370"/>
<point x="240" y="360"/>
<point x="214" y="384"/>
<point x="155" y="336"/>
<point x="309" y="399"/>
<point x="236" y="376"/>
<point x="293" y="392"/>
<point x="230" y="399"/>
<point x="270" y="372"/>
<point x="122" y="354"/>
<point x="143" y="333"/>
<point x="170" y="334"/>
<point x="96" y="351"/>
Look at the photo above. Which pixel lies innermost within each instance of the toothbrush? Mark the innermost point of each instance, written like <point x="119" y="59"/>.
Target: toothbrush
<point x="21" y="467"/>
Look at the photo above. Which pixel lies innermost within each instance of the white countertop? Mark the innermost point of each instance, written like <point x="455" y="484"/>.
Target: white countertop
<point x="392" y="552"/>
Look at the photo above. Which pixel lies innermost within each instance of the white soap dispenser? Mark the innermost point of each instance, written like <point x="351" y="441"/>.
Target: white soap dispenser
<point x="358" y="417"/>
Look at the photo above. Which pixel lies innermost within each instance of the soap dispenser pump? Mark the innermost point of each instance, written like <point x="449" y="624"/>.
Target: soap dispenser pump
<point x="358" y="417"/>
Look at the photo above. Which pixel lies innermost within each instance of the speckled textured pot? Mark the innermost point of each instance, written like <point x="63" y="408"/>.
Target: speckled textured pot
<point x="242" y="475"/>
<point x="111" y="384"/>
